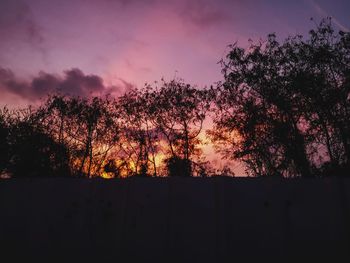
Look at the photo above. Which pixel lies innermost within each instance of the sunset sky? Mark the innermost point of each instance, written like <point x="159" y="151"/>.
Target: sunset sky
<point x="129" y="42"/>
<point x="96" y="47"/>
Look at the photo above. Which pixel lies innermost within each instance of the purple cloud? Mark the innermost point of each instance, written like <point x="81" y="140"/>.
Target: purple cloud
<point x="73" y="82"/>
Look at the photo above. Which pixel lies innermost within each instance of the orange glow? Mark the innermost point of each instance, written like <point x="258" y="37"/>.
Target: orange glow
<point x="106" y="175"/>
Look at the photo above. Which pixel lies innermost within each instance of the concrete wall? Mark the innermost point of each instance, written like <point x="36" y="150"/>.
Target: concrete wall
<point x="175" y="219"/>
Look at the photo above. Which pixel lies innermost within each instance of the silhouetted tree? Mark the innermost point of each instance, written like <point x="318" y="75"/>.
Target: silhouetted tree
<point x="280" y="103"/>
<point x="87" y="126"/>
<point x="32" y="152"/>
<point x="4" y="144"/>
<point x="139" y="138"/>
<point x="322" y="86"/>
<point x="177" y="111"/>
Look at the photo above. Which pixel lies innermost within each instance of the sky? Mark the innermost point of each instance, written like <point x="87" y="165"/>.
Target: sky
<point x="85" y="47"/>
<point x="100" y="46"/>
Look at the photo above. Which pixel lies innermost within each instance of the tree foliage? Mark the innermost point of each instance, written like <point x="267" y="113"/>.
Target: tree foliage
<point x="283" y="108"/>
<point x="177" y="111"/>
<point x="30" y="151"/>
<point x="88" y="127"/>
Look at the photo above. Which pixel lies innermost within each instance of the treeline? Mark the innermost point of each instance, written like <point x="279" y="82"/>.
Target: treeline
<point x="149" y="132"/>
<point x="282" y="109"/>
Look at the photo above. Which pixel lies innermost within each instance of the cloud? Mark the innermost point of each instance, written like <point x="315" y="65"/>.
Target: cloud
<point x="73" y="82"/>
<point x="76" y="83"/>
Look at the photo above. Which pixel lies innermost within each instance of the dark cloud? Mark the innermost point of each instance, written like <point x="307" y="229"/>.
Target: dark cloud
<point x="9" y="83"/>
<point x="74" y="82"/>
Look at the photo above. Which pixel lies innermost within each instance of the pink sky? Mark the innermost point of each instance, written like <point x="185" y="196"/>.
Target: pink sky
<point x="142" y="41"/>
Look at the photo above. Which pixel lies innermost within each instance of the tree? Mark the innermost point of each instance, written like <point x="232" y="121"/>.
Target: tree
<point x="279" y="103"/>
<point x="177" y="112"/>
<point x="88" y="127"/>
<point x="32" y="152"/>
<point x="4" y="145"/>
<point x="323" y="88"/>
<point x="139" y="142"/>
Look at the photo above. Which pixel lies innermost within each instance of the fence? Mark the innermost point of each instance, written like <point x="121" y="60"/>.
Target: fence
<point x="176" y="219"/>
